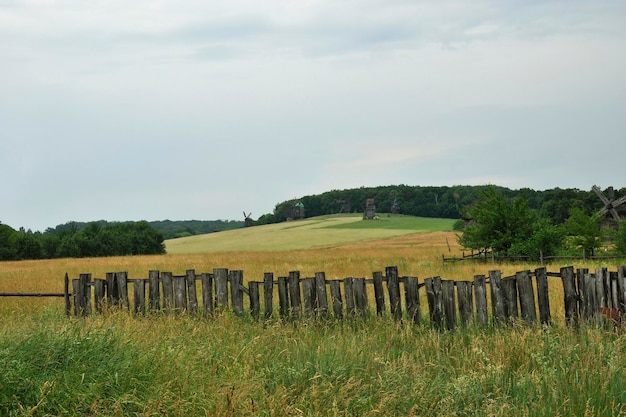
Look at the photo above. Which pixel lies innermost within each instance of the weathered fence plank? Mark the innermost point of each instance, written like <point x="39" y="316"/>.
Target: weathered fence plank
<point x="122" y="284"/>
<point x="348" y="291"/>
<point x="220" y="275"/>
<point x="543" y="299"/>
<point x="236" y="290"/>
<point x="464" y="295"/>
<point x="360" y="296"/>
<point x="321" y="294"/>
<point x="526" y="297"/>
<point x="180" y="294"/>
<point x="168" y="291"/>
<point x="283" y="297"/>
<point x="294" y="294"/>
<point x="207" y="293"/>
<point x="435" y="303"/>
<point x="190" y="280"/>
<point x="255" y="302"/>
<point x="154" y="296"/>
<point x="335" y="295"/>
<point x="509" y="289"/>
<point x="449" y="304"/>
<point x="497" y="297"/>
<point x="379" y="293"/>
<point x="570" y="295"/>
<point x="139" y="296"/>
<point x="268" y="293"/>
<point x="99" y="286"/>
<point x="480" y="295"/>
<point x="308" y="293"/>
<point x="393" y="287"/>
<point x="411" y="290"/>
<point x="621" y="287"/>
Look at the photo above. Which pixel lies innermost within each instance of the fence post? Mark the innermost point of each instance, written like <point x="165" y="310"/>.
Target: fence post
<point x="480" y="295"/>
<point x="308" y="292"/>
<point x="393" y="286"/>
<point x="526" y="297"/>
<point x="98" y="294"/>
<point x="207" y="293"/>
<point x="411" y="290"/>
<point x="139" y="293"/>
<point x="621" y="287"/>
<point x="449" y="304"/>
<point x="347" y="287"/>
<point x="221" y="286"/>
<point x="190" y="279"/>
<point x="335" y="295"/>
<point x="122" y="284"/>
<point x="268" y="293"/>
<point x="509" y="287"/>
<point x="497" y="297"/>
<point x="360" y="296"/>
<point x="600" y="288"/>
<point x="68" y="304"/>
<point x="294" y="294"/>
<point x="543" y="299"/>
<point x="153" y="282"/>
<point x="570" y="295"/>
<point x="321" y="294"/>
<point x="236" y="290"/>
<point x="255" y="303"/>
<point x="180" y="294"/>
<point x="435" y="305"/>
<point x="464" y="294"/>
<point x="379" y="293"/>
<point x="113" y="294"/>
<point x="283" y="296"/>
<point x="584" y="294"/>
<point x="168" y="291"/>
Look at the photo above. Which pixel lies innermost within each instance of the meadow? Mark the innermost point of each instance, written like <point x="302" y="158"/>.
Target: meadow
<point x="227" y="365"/>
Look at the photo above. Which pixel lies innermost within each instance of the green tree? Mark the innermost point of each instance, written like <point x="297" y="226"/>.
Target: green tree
<point x="497" y="223"/>
<point x="584" y="230"/>
<point x="545" y="240"/>
<point x="620" y="238"/>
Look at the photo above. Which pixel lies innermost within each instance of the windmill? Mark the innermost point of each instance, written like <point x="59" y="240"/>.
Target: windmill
<point x="613" y="210"/>
<point x="247" y="219"/>
<point x="395" y="207"/>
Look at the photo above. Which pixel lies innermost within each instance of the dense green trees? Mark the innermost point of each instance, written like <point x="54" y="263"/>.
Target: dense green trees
<point x="112" y="239"/>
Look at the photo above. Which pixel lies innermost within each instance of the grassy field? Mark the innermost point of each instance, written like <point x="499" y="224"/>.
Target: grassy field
<point x="118" y="365"/>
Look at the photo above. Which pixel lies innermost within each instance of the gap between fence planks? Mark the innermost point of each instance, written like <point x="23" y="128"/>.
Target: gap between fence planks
<point x="523" y="296"/>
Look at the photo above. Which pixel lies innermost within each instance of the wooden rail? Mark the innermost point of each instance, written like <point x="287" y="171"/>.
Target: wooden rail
<point x="523" y="296"/>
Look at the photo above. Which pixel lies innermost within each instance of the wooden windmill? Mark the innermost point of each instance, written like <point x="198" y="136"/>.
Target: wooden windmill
<point x="613" y="211"/>
<point x="247" y="219"/>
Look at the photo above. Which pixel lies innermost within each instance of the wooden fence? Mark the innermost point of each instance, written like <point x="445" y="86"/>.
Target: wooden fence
<point x="523" y="296"/>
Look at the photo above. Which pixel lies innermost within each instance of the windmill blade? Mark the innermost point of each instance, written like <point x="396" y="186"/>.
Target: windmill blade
<point x="602" y="197"/>
<point x="615" y="214"/>
<point x="619" y="201"/>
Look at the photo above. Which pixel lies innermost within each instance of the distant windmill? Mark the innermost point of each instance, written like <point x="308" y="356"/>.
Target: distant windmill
<point x="395" y="207"/>
<point x="613" y="210"/>
<point x="247" y="219"/>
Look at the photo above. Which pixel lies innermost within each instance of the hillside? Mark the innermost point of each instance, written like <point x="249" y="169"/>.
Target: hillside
<point x="302" y="234"/>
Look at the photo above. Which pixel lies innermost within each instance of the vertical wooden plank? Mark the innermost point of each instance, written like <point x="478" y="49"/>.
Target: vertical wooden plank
<point x="335" y="295"/>
<point x="591" y="305"/>
<point x="435" y="302"/>
<point x="122" y="284"/>
<point x="98" y="294"/>
<point x="583" y="297"/>
<point x="66" y="296"/>
<point x="180" y="294"/>
<point x="543" y="299"/>
<point x="321" y="294"/>
<point x="255" y="302"/>
<point x="113" y="293"/>
<point x="154" y="292"/>
<point x="412" y="299"/>
<point x="509" y="289"/>
<point x="570" y="295"/>
<point x="347" y="287"/>
<point x="379" y="293"/>
<point x="466" y="308"/>
<point x="207" y="294"/>
<point x="268" y="293"/>
<point x="294" y="294"/>
<point x="360" y="296"/>
<point x="449" y="304"/>
<point x="236" y="290"/>
<point x="621" y="288"/>
<point x="614" y="291"/>
<point x="167" y="281"/>
<point x="526" y="297"/>
<point x="600" y="288"/>
<point x="76" y="292"/>
<point x="283" y="296"/>
<point x="221" y="287"/>
<point x="480" y="297"/>
<point x="192" y="294"/>
<point x="497" y="297"/>
<point x="139" y="295"/>
<point x="85" y="288"/>
<point x="308" y="293"/>
<point x="393" y="286"/>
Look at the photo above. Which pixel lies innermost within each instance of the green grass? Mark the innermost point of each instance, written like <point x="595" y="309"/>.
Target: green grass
<point x="232" y="366"/>
<point x="308" y="233"/>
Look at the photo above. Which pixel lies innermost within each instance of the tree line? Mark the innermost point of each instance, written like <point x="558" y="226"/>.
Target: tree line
<point x="70" y="241"/>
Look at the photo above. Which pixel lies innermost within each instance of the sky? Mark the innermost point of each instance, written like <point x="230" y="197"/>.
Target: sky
<point x="153" y="110"/>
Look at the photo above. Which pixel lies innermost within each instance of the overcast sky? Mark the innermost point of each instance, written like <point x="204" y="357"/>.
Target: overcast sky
<point x="153" y="110"/>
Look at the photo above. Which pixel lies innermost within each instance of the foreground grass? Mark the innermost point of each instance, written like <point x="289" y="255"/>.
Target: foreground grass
<point x="231" y="366"/>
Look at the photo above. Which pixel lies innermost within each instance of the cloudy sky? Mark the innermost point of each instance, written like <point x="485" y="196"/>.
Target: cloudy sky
<point x="153" y="110"/>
